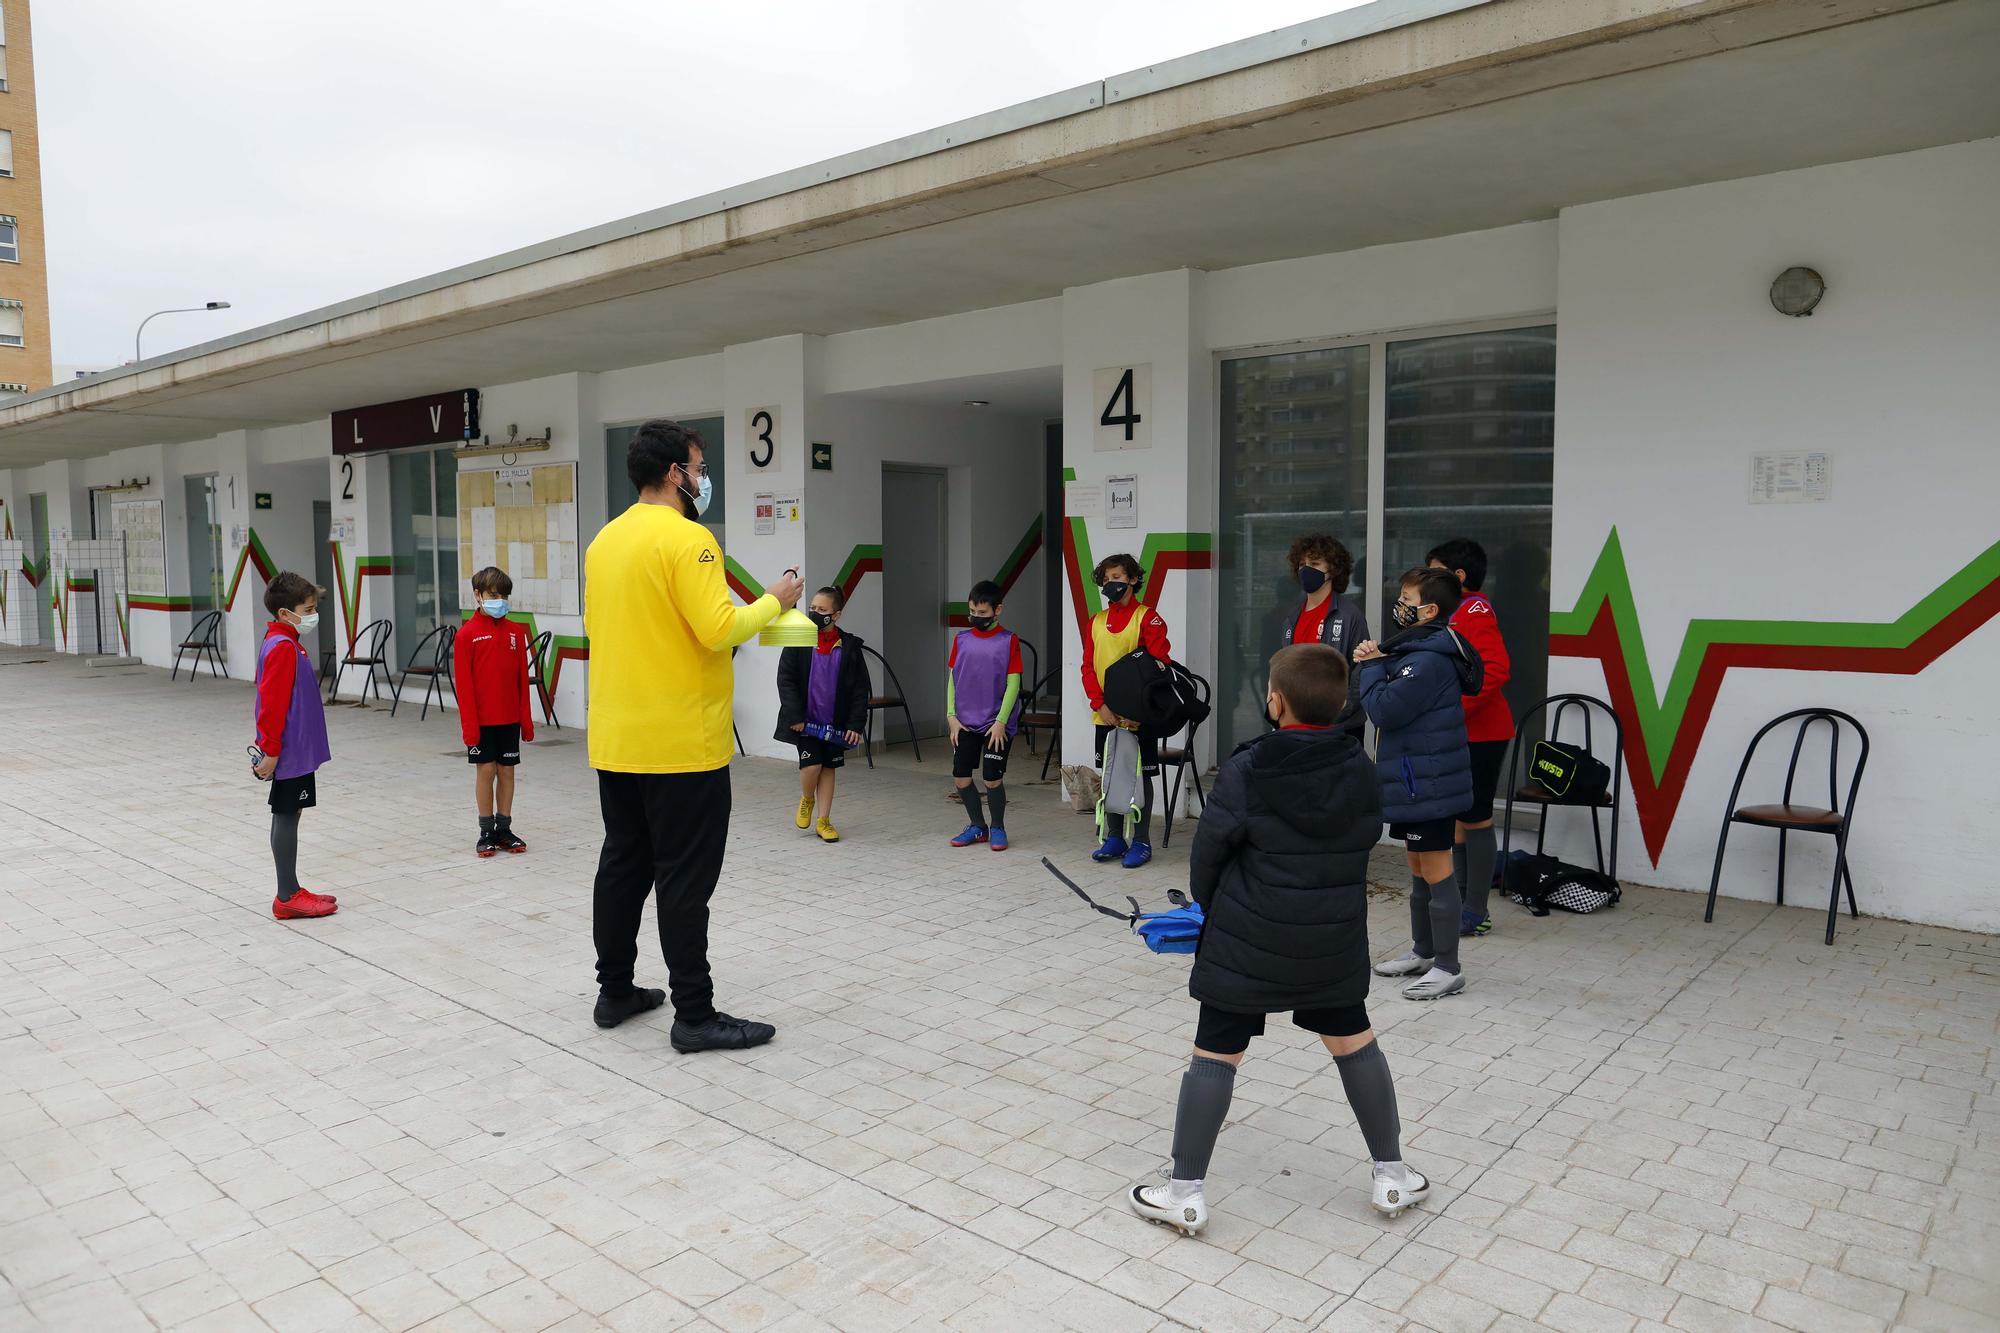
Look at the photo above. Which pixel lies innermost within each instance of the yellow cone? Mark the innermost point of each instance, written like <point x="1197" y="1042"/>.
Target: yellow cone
<point x="791" y="629"/>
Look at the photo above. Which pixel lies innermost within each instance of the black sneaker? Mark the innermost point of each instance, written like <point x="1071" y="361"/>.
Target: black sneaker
<point x="613" y="1010"/>
<point x="487" y="846"/>
<point x="721" y="1033"/>
<point x="506" y="841"/>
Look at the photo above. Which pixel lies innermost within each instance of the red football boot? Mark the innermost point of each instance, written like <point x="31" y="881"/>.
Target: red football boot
<point x="304" y="903"/>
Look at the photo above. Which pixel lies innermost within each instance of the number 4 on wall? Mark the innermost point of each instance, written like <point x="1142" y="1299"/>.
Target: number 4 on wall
<point x="1126" y="397"/>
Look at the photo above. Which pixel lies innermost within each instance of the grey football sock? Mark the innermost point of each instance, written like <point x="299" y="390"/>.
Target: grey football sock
<point x="1420" y="918"/>
<point x="1458" y="860"/>
<point x="1477" y="874"/>
<point x="996" y="801"/>
<point x="1145" y="830"/>
<point x="1365" y="1076"/>
<point x="1205" y="1091"/>
<point x="1445" y="907"/>
<point x="968" y="796"/>
<point x="285" y="852"/>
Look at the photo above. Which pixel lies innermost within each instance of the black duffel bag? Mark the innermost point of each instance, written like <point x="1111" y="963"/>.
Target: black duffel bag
<point x="1158" y="697"/>
<point x="1541" y="882"/>
<point x="1572" y="775"/>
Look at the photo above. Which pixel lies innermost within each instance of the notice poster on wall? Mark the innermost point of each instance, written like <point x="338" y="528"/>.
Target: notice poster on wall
<point x="522" y="519"/>
<point x="1790" y="478"/>
<point x="138" y="524"/>
<point x="765" y="520"/>
<point x="1121" y="502"/>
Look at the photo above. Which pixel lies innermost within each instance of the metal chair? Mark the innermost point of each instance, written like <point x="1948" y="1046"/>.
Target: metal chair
<point x="375" y="635"/>
<point x="735" y="730"/>
<point x="201" y="640"/>
<point x="538" y="661"/>
<point x="1788" y="818"/>
<point x="1533" y="793"/>
<point x="1181" y="758"/>
<point x="1044" y="713"/>
<point x="432" y="661"/>
<point x="879" y="702"/>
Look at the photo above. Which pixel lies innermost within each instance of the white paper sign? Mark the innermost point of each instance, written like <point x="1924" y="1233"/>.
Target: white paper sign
<point x="791" y="509"/>
<point x="1790" y="478"/>
<point x="1124" y="406"/>
<point x="1083" y="499"/>
<point x="765" y="520"/>
<point x="1121" y="502"/>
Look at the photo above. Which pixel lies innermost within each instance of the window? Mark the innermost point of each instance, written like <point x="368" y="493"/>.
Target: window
<point x="13" y="324"/>
<point x="620" y="494"/>
<point x="6" y="152"/>
<point x="10" y="240"/>
<point x="423" y="539"/>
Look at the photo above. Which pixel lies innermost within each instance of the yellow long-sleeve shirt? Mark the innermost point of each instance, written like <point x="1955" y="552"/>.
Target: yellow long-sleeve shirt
<point x="661" y="624"/>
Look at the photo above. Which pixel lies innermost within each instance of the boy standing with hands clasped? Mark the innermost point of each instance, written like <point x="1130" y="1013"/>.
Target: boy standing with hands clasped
<point x="1125" y="625"/>
<point x="291" y="736"/>
<point x="489" y="666"/>
<point x="1410" y="689"/>
<point x="822" y="707"/>
<point x="1280" y="868"/>
<point x="983" y="711"/>
<point x="1489" y="727"/>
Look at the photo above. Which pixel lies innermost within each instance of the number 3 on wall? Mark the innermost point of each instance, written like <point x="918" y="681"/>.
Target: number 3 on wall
<point x="763" y="438"/>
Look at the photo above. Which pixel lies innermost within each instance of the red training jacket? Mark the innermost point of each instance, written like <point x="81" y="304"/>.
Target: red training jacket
<point x="274" y="691"/>
<point x="1487" y="716"/>
<point x="1152" y="637"/>
<point x="489" y="670"/>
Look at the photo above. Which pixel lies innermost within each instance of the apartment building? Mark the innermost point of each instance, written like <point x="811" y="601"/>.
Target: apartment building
<point x="24" y="274"/>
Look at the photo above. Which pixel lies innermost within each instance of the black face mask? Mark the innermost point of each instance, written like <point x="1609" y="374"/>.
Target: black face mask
<point x="1312" y="580"/>
<point x="1269" y="721"/>
<point x="1114" y="591"/>
<point x="820" y="618"/>
<point x="982" y="623"/>
<point x="1404" y="614"/>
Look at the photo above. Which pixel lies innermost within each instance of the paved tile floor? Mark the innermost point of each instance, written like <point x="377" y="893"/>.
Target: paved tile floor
<point x="403" y="1116"/>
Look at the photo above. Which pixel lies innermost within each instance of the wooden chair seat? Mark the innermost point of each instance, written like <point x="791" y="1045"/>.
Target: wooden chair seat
<point x="423" y="671"/>
<point x="1172" y="754"/>
<point x="1789" y="816"/>
<point x="1537" y="794"/>
<point x="1041" y="718"/>
<point x="885" y="701"/>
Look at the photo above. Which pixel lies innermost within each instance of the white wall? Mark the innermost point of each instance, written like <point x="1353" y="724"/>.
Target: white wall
<point x="1674" y="370"/>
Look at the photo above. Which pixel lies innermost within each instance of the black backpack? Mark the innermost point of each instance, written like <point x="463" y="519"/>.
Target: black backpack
<point x="1571" y="774"/>
<point x="1160" y="697"/>
<point x="1541" y="882"/>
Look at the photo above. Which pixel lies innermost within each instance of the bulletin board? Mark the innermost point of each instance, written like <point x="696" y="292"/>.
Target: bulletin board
<point x="522" y="519"/>
<point x="139" y="523"/>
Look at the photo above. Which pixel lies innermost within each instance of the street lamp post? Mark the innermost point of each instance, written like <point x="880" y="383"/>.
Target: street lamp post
<point x="137" y="355"/>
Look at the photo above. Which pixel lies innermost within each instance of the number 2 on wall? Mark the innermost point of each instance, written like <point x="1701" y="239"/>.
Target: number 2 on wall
<point x="347" y="471"/>
<point x="1122" y="393"/>
<point x="761" y="426"/>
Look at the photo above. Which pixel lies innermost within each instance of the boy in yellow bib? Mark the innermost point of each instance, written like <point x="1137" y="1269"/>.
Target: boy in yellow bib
<point x="1123" y="626"/>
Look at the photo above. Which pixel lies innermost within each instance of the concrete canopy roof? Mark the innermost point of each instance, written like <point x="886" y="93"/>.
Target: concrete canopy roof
<point x="1401" y="120"/>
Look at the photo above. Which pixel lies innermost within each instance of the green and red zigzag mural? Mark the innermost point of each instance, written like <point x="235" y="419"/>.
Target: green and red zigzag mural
<point x="1663" y="732"/>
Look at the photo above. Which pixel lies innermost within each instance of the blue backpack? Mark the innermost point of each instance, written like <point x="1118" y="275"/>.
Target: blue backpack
<point x="1175" y="931"/>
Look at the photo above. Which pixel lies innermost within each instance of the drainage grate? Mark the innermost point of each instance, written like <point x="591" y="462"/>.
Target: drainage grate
<point x="32" y="661"/>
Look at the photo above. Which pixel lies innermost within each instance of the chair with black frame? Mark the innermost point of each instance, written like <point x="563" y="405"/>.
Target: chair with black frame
<point x="201" y="640"/>
<point x="1181" y="759"/>
<point x="1834" y="818"/>
<point x="538" y="658"/>
<point x="895" y="698"/>
<point x="368" y="650"/>
<point x="432" y="662"/>
<point x="1041" y="706"/>
<point x="1532" y="792"/>
<point x="733" y="728"/>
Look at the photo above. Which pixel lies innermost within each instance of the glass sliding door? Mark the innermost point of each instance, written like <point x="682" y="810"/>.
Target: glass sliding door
<point x="1470" y="438"/>
<point x="423" y="530"/>
<point x="38" y="552"/>
<point x="1294" y="448"/>
<point x="204" y="543"/>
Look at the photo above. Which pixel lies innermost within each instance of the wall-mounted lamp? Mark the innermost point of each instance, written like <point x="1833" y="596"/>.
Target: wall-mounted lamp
<point x="978" y="402"/>
<point x="1797" y="291"/>
<point x="515" y="443"/>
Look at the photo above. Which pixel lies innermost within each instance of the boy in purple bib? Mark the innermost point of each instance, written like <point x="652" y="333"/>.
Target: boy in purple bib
<point x="291" y="735"/>
<point x="983" y="710"/>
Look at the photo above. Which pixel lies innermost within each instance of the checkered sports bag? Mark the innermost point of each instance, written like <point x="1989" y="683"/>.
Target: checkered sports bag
<point x="1541" y="882"/>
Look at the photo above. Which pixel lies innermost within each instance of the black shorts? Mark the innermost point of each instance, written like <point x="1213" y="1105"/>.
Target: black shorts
<point x="972" y="752"/>
<point x="1487" y="759"/>
<point x="816" y="753"/>
<point x="1225" y="1033"/>
<point x="300" y="793"/>
<point x="1149" y="751"/>
<point x="497" y="745"/>
<point x="1429" y="835"/>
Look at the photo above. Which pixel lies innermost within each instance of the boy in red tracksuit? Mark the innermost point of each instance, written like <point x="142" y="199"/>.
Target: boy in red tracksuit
<point x="1124" y="625"/>
<point x="1489" y="726"/>
<point x="489" y="666"/>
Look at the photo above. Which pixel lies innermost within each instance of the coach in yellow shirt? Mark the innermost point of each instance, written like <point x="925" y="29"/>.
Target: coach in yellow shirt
<point x="662" y="693"/>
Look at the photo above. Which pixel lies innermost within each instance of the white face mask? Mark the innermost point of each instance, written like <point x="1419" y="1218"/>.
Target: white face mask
<point x="495" y="607"/>
<point x="306" y="623"/>
<point x="700" y="496"/>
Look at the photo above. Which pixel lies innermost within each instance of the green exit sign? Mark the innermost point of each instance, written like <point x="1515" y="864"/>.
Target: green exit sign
<point x="822" y="458"/>
<point x="263" y="500"/>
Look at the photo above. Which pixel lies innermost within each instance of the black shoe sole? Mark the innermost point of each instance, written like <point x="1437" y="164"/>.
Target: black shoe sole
<point x="685" y="1049"/>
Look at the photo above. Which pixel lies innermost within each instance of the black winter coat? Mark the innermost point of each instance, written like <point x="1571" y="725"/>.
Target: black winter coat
<point x="1280" y="868"/>
<point x="850" y="692"/>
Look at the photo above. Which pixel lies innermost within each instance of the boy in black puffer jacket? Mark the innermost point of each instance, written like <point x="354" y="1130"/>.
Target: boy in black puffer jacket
<point x="1280" y="866"/>
<point x="1410" y="688"/>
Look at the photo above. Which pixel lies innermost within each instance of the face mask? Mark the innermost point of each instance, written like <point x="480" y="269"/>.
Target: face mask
<point x="820" y="618"/>
<point x="307" y="623"/>
<point x="982" y="622"/>
<point x="494" y="606"/>
<point x="699" y="497"/>
<point x="1270" y="717"/>
<point x="1312" y="580"/>
<point x="1114" y="591"/>
<point x="1405" y="614"/>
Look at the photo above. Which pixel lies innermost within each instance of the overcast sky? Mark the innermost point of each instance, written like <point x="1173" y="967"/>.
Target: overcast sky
<point x="287" y="155"/>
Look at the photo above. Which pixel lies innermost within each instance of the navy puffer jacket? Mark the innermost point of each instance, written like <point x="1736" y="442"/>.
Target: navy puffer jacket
<point x="1280" y="868"/>
<point x="1412" y="695"/>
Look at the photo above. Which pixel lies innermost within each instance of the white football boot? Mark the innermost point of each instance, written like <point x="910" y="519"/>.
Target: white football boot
<point x="1397" y="1187"/>
<point x="1172" y="1203"/>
